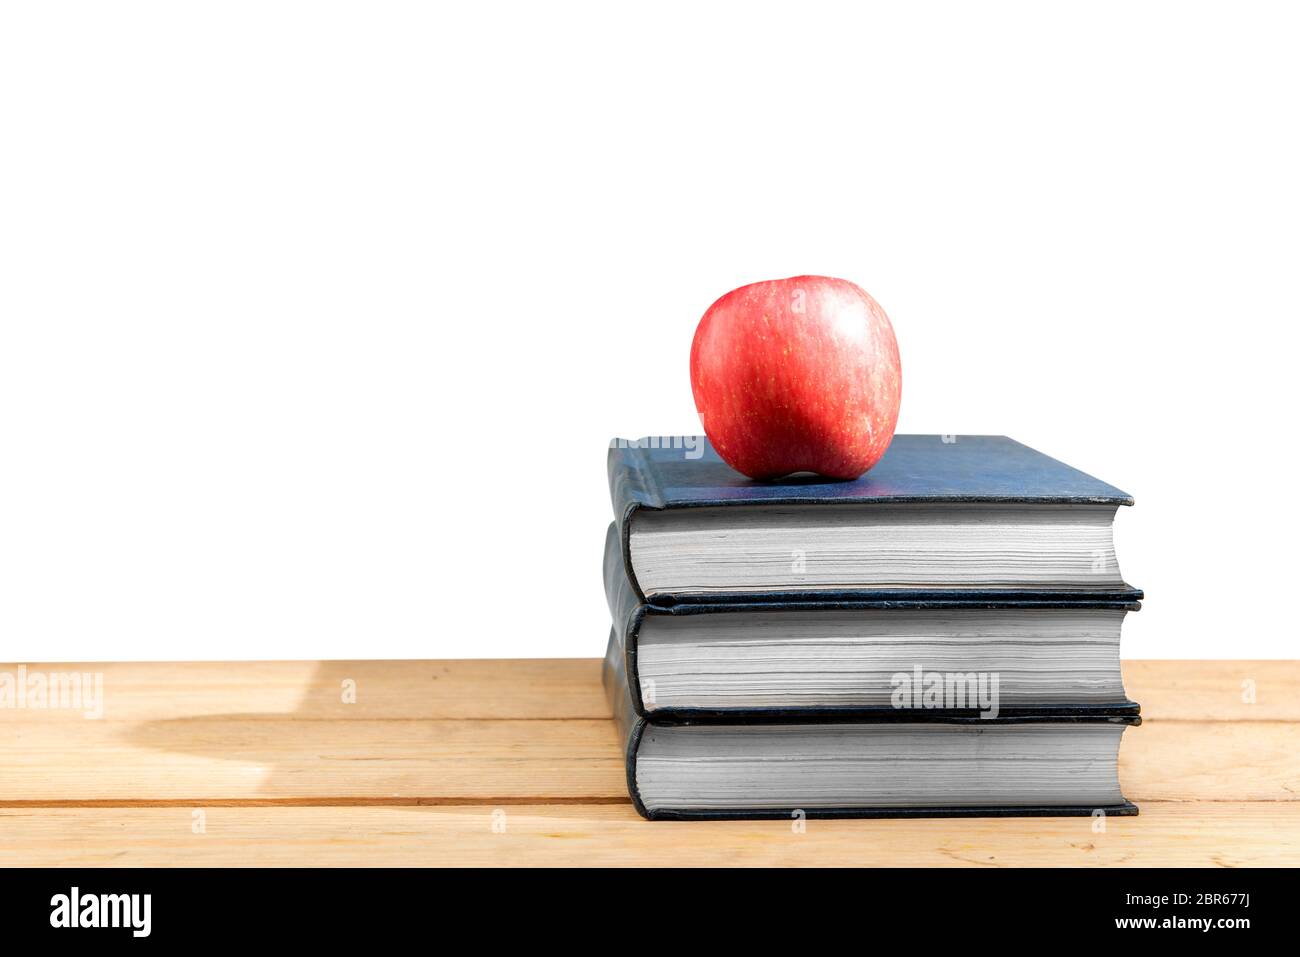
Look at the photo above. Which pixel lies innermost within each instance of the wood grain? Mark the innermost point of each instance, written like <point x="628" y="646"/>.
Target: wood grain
<point x="403" y="761"/>
<point x="235" y="758"/>
<point x="555" y="689"/>
<point x="524" y="689"/>
<point x="1226" y="835"/>
<point x="287" y="770"/>
<point x="1215" y="690"/>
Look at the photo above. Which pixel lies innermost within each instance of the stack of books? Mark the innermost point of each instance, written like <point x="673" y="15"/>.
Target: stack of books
<point x="938" y="637"/>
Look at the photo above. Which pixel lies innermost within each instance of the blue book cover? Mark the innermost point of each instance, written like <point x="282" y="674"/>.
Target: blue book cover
<point x="684" y="472"/>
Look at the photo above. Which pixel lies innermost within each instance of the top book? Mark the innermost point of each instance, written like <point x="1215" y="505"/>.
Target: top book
<point x="967" y="517"/>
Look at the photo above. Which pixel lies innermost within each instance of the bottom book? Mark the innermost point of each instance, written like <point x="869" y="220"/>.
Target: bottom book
<point x="900" y="763"/>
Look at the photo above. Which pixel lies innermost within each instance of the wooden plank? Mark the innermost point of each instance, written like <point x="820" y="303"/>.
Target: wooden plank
<point x="1214" y="834"/>
<point x="287" y="759"/>
<point x="553" y="689"/>
<point x="1210" y="761"/>
<point x="1215" y="690"/>
<point x="286" y="770"/>
<point x="235" y="758"/>
<point x="520" y="689"/>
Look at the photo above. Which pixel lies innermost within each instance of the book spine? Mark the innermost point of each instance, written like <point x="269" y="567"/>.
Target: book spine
<point x="626" y="611"/>
<point x="626" y="721"/>
<point x="631" y="486"/>
<point x="631" y="480"/>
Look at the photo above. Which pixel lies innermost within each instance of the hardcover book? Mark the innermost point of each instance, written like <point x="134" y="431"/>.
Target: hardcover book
<point x="735" y="660"/>
<point x="913" y="764"/>
<point x="939" y="516"/>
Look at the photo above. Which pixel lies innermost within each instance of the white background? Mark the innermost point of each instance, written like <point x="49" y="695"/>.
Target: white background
<point x="317" y="318"/>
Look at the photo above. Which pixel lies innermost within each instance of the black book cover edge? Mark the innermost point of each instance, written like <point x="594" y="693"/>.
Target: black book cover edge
<point x="628" y="611"/>
<point x="631" y="727"/>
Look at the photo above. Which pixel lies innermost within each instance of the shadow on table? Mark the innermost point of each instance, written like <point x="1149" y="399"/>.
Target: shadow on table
<point x="415" y="733"/>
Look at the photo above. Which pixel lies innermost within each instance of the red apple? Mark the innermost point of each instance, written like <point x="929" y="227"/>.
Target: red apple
<point x="797" y="375"/>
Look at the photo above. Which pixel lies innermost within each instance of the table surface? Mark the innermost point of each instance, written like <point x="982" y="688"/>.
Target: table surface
<point x="517" y="762"/>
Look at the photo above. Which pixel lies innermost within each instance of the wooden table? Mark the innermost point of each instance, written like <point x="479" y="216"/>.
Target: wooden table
<point x="516" y="762"/>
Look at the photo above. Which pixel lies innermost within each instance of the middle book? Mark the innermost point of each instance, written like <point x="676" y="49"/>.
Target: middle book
<point x="749" y="660"/>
